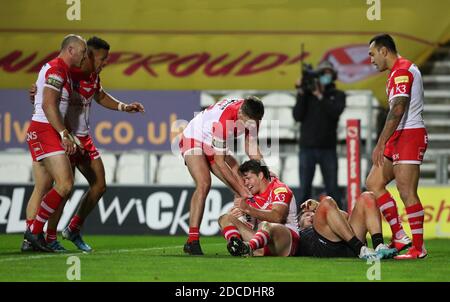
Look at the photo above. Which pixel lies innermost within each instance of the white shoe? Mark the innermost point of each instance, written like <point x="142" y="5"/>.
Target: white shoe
<point x="385" y="252"/>
<point x="401" y="243"/>
<point x="367" y="253"/>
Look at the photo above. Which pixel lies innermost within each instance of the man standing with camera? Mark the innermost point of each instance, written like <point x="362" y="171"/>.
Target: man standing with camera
<point x="319" y="105"/>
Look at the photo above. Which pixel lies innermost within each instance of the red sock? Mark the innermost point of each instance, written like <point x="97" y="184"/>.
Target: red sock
<point x="51" y="235"/>
<point x="231" y="231"/>
<point x="415" y="218"/>
<point x="193" y="234"/>
<point x="259" y="240"/>
<point x="49" y="204"/>
<point x="29" y="222"/>
<point x="75" y="223"/>
<point x="388" y="207"/>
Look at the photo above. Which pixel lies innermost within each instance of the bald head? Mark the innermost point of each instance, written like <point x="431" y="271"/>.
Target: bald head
<point x="73" y="50"/>
<point x="71" y="40"/>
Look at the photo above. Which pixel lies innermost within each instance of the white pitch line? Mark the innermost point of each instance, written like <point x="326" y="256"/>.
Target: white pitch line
<point x="52" y="255"/>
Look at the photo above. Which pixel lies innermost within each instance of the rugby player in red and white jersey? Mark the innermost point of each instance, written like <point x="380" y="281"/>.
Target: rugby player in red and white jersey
<point x="203" y="145"/>
<point x="272" y="208"/>
<point x="47" y="137"/>
<point x="401" y="145"/>
<point x="87" y="87"/>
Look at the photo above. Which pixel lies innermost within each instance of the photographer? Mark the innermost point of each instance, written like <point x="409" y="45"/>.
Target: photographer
<point x="319" y="105"/>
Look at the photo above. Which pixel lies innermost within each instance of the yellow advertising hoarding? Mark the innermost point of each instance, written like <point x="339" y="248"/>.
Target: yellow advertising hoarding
<point x="192" y="44"/>
<point x="436" y="204"/>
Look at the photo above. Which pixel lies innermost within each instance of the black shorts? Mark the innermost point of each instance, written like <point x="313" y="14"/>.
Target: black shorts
<point x="312" y="244"/>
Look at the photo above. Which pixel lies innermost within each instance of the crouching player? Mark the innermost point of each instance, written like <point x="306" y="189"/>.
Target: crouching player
<point x="273" y="205"/>
<point x="326" y="231"/>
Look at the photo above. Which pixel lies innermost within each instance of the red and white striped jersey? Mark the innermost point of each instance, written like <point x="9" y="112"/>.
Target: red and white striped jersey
<point x="85" y="88"/>
<point x="215" y="124"/>
<point x="278" y="193"/>
<point x="54" y="75"/>
<point x="405" y="79"/>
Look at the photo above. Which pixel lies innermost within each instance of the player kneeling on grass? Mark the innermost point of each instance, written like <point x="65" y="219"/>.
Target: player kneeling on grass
<point x="273" y="204"/>
<point x="326" y="231"/>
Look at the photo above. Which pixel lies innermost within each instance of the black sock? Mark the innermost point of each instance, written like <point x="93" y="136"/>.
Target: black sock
<point x="377" y="239"/>
<point x="355" y="244"/>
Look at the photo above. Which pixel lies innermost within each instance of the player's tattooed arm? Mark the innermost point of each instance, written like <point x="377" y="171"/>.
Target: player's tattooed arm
<point x="400" y="104"/>
<point x="110" y="102"/>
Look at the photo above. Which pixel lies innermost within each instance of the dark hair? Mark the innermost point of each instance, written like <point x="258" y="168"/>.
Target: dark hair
<point x="253" y="108"/>
<point x="255" y="167"/>
<point x="97" y="43"/>
<point x="384" y="40"/>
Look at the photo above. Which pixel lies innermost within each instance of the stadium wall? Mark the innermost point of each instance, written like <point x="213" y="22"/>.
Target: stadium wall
<point x="110" y="130"/>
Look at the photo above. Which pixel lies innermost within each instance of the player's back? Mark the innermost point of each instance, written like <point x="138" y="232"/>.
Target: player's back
<point x="54" y="75"/>
<point x="201" y="126"/>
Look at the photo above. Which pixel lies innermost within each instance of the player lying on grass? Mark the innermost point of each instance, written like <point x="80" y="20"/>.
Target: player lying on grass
<point x="326" y="231"/>
<point x="278" y="239"/>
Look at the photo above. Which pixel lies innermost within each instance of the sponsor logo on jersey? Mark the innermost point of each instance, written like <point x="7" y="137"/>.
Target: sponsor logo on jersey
<point x="280" y="190"/>
<point x="401" y="79"/>
<point x="55" y="80"/>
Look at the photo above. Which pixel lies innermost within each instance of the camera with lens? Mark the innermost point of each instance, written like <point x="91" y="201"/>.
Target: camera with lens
<point x="310" y="78"/>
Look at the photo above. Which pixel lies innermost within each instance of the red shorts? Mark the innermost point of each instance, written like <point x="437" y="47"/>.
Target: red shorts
<point x="294" y="243"/>
<point x="90" y="151"/>
<point x="193" y="146"/>
<point x="407" y="146"/>
<point x="43" y="141"/>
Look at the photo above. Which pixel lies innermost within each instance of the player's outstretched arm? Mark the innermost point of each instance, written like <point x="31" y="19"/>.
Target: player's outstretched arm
<point x="230" y="175"/>
<point x="252" y="147"/>
<point x="108" y="101"/>
<point x="399" y="105"/>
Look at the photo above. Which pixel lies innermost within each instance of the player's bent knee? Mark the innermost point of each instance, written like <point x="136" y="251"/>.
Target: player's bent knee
<point x="203" y="187"/>
<point x="99" y="188"/>
<point x="328" y="202"/>
<point x="64" y="188"/>
<point x="367" y="198"/>
<point x="266" y="226"/>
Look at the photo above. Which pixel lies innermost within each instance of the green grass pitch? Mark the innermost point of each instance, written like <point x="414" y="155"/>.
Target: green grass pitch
<point x="160" y="258"/>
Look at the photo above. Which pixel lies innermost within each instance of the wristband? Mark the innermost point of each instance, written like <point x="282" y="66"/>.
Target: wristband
<point x="121" y="106"/>
<point x="61" y="133"/>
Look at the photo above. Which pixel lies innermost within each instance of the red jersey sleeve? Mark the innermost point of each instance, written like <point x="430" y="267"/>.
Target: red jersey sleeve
<point x="55" y="78"/>
<point x="400" y="84"/>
